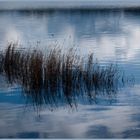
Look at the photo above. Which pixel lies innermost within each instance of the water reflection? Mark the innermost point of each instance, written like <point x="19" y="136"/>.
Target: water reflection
<point x="97" y="130"/>
<point x="62" y="123"/>
<point x="112" y="36"/>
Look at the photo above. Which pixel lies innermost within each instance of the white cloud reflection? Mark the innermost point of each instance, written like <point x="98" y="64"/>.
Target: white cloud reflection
<point x="13" y="36"/>
<point x="117" y="119"/>
<point x="111" y="40"/>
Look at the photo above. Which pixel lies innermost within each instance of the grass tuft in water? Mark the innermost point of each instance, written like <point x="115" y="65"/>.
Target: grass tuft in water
<point x="58" y="78"/>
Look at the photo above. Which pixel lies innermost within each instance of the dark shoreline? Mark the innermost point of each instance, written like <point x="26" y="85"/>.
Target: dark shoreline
<point x="51" y="10"/>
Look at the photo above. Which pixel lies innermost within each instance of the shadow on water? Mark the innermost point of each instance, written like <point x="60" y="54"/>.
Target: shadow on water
<point x="58" y="78"/>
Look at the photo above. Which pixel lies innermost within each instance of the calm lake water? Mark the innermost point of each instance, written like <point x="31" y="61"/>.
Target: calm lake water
<point x="113" y="37"/>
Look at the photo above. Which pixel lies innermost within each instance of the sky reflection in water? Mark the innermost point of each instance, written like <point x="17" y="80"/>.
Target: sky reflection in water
<point x="113" y="37"/>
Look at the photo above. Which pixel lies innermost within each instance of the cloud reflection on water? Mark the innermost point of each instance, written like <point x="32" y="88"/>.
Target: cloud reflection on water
<point x="107" y="34"/>
<point x="115" y="120"/>
<point x="111" y="36"/>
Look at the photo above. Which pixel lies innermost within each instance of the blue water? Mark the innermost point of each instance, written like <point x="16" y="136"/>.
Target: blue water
<point x="112" y="35"/>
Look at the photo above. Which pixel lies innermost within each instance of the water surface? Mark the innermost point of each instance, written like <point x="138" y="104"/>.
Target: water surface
<point x="113" y="37"/>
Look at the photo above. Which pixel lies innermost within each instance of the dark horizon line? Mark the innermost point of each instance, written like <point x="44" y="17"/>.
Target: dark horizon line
<point x="73" y="9"/>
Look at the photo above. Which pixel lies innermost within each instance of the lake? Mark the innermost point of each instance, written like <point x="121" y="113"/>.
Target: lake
<point x="113" y="36"/>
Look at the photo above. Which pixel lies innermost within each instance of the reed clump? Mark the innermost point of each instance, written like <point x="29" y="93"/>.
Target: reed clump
<point x="1" y="61"/>
<point x="57" y="77"/>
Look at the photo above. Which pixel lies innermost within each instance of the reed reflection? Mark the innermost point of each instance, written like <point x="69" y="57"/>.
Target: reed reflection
<point x="58" y="78"/>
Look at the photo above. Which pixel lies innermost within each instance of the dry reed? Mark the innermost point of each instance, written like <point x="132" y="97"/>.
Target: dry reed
<point x="57" y="77"/>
